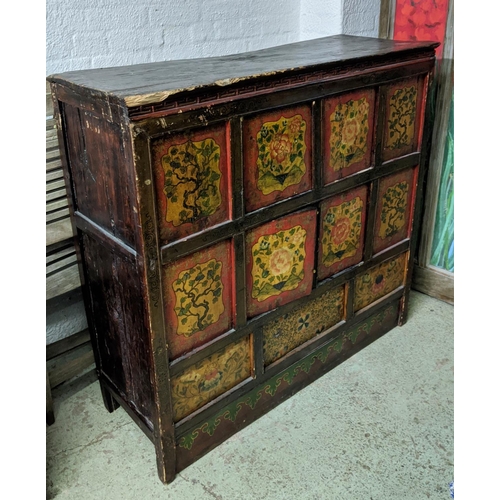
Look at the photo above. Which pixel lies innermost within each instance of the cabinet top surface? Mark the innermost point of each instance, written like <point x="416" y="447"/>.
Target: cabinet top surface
<point x="153" y="82"/>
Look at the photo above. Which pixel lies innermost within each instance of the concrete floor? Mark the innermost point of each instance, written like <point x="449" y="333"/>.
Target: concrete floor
<point x="377" y="427"/>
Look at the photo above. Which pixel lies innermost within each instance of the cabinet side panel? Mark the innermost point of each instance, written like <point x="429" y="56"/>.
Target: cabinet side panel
<point x="103" y="183"/>
<point x="120" y="326"/>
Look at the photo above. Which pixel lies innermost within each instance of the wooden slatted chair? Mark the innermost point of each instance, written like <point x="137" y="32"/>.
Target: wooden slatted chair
<point x="68" y="357"/>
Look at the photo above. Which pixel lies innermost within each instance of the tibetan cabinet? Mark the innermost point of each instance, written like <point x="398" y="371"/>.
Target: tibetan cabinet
<point x="244" y="223"/>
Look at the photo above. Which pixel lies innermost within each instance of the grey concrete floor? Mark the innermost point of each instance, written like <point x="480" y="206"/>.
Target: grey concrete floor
<point x="377" y="427"/>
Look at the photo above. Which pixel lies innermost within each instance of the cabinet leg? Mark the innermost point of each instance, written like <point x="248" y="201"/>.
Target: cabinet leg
<point x="109" y="402"/>
<point x="165" y="460"/>
<point x="403" y="308"/>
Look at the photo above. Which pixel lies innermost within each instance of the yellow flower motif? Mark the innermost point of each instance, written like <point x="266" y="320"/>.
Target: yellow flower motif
<point x="280" y="261"/>
<point x="350" y="132"/>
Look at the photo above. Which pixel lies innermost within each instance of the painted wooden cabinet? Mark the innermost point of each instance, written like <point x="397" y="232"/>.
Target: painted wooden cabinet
<point x="245" y="223"/>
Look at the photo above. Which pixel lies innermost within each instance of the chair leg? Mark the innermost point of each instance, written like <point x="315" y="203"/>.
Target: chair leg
<point x="109" y="402"/>
<point x="49" y="407"/>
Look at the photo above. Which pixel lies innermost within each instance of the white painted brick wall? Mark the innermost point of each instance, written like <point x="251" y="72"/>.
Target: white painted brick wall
<point x="83" y="34"/>
<point x="361" y="17"/>
<point x="98" y="33"/>
<point x="320" y="18"/>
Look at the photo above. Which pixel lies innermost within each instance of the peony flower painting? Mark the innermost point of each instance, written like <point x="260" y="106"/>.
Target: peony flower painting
<point x="280" y="261"/>
<point x="342" y="231"/>
<point x="281" y="154"/>
<point x="276" y="156"/>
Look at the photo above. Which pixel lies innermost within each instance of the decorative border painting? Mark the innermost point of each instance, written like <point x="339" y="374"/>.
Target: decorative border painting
<point x="250" y="405"/>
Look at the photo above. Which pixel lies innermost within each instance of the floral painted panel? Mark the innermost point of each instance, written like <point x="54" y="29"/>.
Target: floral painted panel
<point x="394" y="209"/>
<point x="192" y="181"/>
<point x="403" y="118"/>
<point x="211" y="377"/>
<point x="379" y="281"/>
<point x="280" y="261"/>
<point x="342" y="231"/>
<point x="303" y="323"/>
<point x="348" y="131"/>
<point x="198" y="294"/>
<point x="403" y="112"/>
<point x="277" y="156"/>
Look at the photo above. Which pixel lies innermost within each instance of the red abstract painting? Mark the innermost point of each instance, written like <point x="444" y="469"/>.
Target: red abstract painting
<point x="422" y="21"/>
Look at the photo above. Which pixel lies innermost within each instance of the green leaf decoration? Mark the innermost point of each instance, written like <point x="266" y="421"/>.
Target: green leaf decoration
<point x="210" y="425"/>
<point x="253" y="398"/>
<point x="188" y="440"/>
<point x="272" y="385"/>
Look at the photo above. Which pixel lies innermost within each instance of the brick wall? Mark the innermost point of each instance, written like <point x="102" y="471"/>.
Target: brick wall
<point x="100" y="33"/>
<point x="360" y="17"/>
